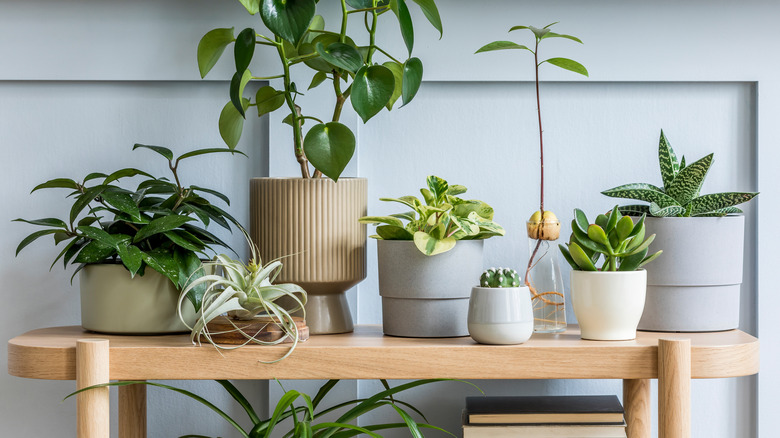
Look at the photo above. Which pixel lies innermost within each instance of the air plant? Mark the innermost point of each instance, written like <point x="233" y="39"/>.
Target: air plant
<point x="244" y="291"/>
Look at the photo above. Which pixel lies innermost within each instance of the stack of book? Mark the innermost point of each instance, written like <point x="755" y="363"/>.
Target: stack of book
<point x="581" y="416"/>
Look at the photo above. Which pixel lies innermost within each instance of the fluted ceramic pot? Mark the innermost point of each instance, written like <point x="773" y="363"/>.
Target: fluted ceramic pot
<point x="113" y="302"/>
<point x="312" y="226"/>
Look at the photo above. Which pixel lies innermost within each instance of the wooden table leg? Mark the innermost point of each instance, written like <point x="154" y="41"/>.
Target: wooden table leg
<point x="674" y="388"/>
<point x="132" y="411"/>
<point x="92" y="369"/>
<point x="636" y="403"/>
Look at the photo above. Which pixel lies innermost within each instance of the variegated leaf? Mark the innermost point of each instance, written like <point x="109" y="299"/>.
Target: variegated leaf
<point x="687" y="183"/>
<point x="670" y="211"/>
<point x="409" y="215"/>
<point x="667" y="160"/>
<point x="381" y="220"/>
<point x="641" y="192"/>
<point x="721" y="212"/>
<point x="634" y="209"/>
<point x="709" y="203"/>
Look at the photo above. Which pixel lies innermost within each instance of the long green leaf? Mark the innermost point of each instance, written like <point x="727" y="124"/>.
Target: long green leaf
<point x="667" y="161"/>
<point x="502" y="45"/>
<point x="210" y="48"/>
<point x="431" y="12"/>
<point x="58" y="183"/>
<point x="568" y="64"/>
<point x="231" y="123"/>
<point x="237" y="85"/>
<point x="642" y="192"/>
<point x="83" y="200"/>
<point x="161" y="225"/>
<point x="411" y="79"/>
<point x="688" y="182"/>
<point x="239" y="397"/>
<point x="45" y="222"/>
<point x="717" y="201"/>
<point x="122" y="202"/>
<point x="401" y="12"/>
<point x="244" y="49"/>
<point x="560" y="35"/>
<point x="670" y="211"/>
<point x="198" y="152"/>
<point x="165" y="152"/>
<point x="33" y="237"/>
<point x="94" y="252"/>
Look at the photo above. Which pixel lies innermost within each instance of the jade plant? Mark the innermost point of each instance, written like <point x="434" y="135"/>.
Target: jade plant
<point x="440" y="222"/>
<point x="161" y="224"/>
<point x="299" y="38"/>
<point x="614" y="237"/>
<point x="680" y="195"/>
<point x="307" y="415"/>
<point x="244" y="291"/>
<point x="501" y="277"/>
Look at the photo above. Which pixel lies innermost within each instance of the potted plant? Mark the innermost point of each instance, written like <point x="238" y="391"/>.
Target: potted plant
<point x="427" y="265"/>
<point x="608" y="300"/>
<point x="307" y="418"/>
<point x="246" y="293"/>
<point x="312" y="220"/>
<point x="696" y="287"/>
<point x="500" y="309"/>
<point x="135" y="249"/>
<point x="542" y="274"/>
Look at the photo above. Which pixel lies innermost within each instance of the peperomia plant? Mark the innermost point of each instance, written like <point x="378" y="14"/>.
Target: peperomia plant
<point x="614" y="236"/>
<point x="679" y="196"/>
<point x="438" y="224"/>
<point x="156" y="225"/>
<point x="299" y="37"/>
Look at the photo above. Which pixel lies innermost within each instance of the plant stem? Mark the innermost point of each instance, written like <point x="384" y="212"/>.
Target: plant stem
<point x="344" y="15"/>
<point x="295" y="111"/>
<point x="372" y="35"/>
<point x="541" y="138"/>
<point x="388" y="55"/>
<point x="340" y="99"/>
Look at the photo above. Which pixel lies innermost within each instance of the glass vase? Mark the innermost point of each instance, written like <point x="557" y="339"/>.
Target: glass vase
<point x="543" y="278"/>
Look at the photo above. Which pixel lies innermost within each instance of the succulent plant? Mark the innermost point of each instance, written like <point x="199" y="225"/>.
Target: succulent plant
<point x="501" y="277"/>
<point x="614" y="236"/>
<point x="679" y="196"/>
<point x="443" y="220"/>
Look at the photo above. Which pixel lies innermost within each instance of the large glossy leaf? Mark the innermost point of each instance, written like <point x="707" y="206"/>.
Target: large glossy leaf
<point x="717" y="201"/>
<point x="401" y="11"/>
<point x="94" y="252"/>
<point x="398" y="75"/>
<point x="431" y="12"/>
<point x="288" y="19"/>
<point x="371" y="90"/>
<point x="131" y="258"/>
<point x="568" y="64"/>
<point x="161" y="225"/>
<point x="687" y="184"/>
<point x="211" y="47"/>
<point x="33" y="237"/>
<point x="163" y="262"/>
<point x="83" y="200"/>
<point x="392" y="232"/>
<point x="430" y="246"/>
<point x="412" y="78"/>
<point x="231" y="123"/>
<point x="237" y="85"/>
<point x="122" y="202"/>
<point x="667" y="160"/>
<point x="268" y="99"/>
<point x="329" y="147"/>
<point x="502" y="45"/>
<point x="340" y="55"/>
<point x="244" y="49"/>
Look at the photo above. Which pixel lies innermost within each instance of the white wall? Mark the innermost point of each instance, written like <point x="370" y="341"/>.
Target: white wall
<point x="81" y="81"/>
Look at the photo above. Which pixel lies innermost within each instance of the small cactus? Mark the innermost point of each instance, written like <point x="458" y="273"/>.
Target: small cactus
<point x="501" y="277"/>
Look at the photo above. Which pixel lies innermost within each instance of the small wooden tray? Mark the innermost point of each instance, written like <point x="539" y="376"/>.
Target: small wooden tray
<point x="262" y="327"/>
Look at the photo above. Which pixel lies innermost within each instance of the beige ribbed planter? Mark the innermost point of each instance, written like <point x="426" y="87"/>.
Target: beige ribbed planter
<point x="313" y="225"/>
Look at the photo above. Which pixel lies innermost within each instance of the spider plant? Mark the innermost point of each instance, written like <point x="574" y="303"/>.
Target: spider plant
<point x="244" y="291"/>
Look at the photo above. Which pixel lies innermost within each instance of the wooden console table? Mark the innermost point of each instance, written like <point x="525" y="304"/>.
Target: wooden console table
<point x="69" y="353"/>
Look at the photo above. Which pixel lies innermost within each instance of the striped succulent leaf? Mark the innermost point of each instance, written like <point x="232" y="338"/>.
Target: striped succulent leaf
<point x="668" y="161"/>
<point x="670" y="211"/>
<point x="634" y="209"/>
<point x="682" y="162"/>
<point x="687" y="183"/>
<point x="721" y="212"/>
<point x="641" y="192"/>
<point x="716" y="201"/>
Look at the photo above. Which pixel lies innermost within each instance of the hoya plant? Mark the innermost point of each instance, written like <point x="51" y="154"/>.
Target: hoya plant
<point x="436" y="225"/>
<point x="680" y="195"/>
<point x="353" y="71"/>
<point x="614" y="237"/>
<point x="161" y="224"/>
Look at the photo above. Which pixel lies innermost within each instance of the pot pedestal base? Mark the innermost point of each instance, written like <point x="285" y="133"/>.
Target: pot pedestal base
<point x="328" y="314"/>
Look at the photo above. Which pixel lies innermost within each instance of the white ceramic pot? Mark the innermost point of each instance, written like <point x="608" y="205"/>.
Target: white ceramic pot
<point x="500" y="316"/>
<point x="112" y="302"/>
<point x="608" y="305"/>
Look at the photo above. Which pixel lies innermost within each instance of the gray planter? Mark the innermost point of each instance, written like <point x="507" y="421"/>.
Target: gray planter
<point x="695" y="285"/>
<point x="427" y="296"/>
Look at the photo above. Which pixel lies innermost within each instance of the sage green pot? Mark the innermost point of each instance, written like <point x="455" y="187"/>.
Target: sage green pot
<point x="114" y="303"/>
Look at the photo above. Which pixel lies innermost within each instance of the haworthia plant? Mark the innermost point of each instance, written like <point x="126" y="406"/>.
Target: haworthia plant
<point x="614" y="237"/>
<point x="438" y="224"/>
<point x="679" y="196"/>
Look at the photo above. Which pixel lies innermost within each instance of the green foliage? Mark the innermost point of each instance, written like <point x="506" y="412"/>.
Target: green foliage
<point x="299" y="37"/>
<point x="441" y="221"/>
<point x="679" y="196"/>
<point x="161" y="224"/>
<point x="613" y="236"/>
<point x="306" y="416"/>
<point x="501" y="277"/>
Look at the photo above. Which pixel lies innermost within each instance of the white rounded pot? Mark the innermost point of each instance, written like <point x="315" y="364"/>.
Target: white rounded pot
<point x="427" y="296"/>
<point x="695" y="285"/>
<point x="608" y="305"/>
<point x="112" y="302"/>
<point x="500" y="316"/>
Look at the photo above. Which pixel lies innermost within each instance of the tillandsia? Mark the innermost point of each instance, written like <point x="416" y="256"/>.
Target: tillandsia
<point x="680" y="194"/>
<point x="244" y="291"/>
<point x="438" y="224"/>
<point x="161" y="224"/>
<point x="307" y="416"/>
<point x="614" y="237"/>
<point x="501" y="277"/>
<point x="298" y="36"/>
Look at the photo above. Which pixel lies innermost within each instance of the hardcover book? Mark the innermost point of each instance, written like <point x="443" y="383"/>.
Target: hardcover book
<point x="550" y="410"/>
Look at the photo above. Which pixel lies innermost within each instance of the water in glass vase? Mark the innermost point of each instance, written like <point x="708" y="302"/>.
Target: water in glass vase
<point x="544" y="280"/>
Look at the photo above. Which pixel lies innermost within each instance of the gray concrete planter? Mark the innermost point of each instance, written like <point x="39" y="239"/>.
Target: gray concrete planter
<point x="695" y="285"/>
<point x="427" y="296"/>
<point x="112" y="302"/>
